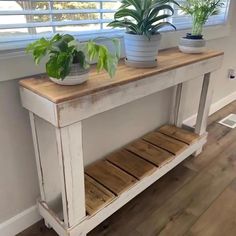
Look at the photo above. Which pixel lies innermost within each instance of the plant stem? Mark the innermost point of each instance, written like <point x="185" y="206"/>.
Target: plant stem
<point x="197" y="26"/>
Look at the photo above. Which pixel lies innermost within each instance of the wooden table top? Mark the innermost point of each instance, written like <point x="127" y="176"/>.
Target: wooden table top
<point x="167" y="60"/>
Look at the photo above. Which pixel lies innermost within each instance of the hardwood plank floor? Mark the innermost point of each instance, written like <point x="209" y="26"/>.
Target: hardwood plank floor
<point x="197" y="198"/>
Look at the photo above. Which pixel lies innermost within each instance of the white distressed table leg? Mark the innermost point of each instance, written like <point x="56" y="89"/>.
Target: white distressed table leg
<point x="70" y="152"/>
<point x="204" y="106"/>
<point x="178" y="104"/>
<point x="38" y="161"/>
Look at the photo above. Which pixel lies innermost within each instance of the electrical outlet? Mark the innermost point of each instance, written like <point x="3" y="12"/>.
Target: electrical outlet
<point x="231" y="74"/>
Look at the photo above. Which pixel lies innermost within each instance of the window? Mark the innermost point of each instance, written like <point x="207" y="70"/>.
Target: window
<point x="182" y="21"/>
<point x="25" y="20"/>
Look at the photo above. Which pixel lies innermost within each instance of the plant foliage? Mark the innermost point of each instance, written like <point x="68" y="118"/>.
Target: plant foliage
<point x="200" y="10"/>
<point x="143" y="17"/>
<point x="64" y="50"/>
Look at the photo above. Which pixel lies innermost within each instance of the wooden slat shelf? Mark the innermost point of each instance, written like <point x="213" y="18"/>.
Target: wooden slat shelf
<point x="118" y="172"/>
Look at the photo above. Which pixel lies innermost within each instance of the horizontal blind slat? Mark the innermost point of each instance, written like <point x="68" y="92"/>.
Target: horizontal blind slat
<point x="53" y="23"/>
<point x="50" y="12"/>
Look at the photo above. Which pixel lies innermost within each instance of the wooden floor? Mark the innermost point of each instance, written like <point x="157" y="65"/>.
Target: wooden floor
<point x="197" y="198"/>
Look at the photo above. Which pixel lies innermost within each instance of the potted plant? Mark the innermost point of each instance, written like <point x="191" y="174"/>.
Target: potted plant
<point x="143" y="21"/>
<point x="68" y="60"/>
<point x="200" y="11"/>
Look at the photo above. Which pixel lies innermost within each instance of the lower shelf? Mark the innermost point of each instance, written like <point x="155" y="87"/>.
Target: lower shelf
<point x="107" y="179"/>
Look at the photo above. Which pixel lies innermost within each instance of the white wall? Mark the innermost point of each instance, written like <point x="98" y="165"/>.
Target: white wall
<point x="102" y="133"/>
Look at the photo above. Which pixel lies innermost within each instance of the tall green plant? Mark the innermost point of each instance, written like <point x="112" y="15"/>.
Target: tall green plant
<point x="143" y="17"/>
<point x="64" y="50"/>
<point x="200" y="10"/>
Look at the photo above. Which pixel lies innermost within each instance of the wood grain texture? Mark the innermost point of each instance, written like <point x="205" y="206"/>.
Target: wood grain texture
<point x="168" y="59"/>
<point x="149" y="152"/>
<point x="219" y="219"/>
<point x="131" y="164"/>
<point x="179" y="134"/>
<point x="165" y="142"/>
<point x="110" y="176"/>
<point x="96" y="195"/>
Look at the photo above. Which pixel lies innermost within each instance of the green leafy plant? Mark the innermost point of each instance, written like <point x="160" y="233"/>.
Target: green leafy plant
<point x="143" y="17"/>
<point x="200" y="10"/>
<point x="63" y="51"/>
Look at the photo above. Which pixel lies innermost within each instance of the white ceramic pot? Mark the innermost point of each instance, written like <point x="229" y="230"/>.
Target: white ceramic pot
<point x="78" y="75"/>
<point x="192" y="45"/>
<point x="140" y="51"/>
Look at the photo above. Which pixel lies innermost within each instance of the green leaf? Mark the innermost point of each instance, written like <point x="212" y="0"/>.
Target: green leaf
<point x="156" y="28"/>
<point x="155" y="11"/>
<point x="128" y="13"/>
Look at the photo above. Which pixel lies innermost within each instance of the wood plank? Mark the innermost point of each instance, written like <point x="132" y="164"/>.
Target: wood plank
<point x="167" y="143"/>
<point x="149" y="152"/>
<point x="96" y="195"/>
<point x="131" y="163"/>
<point x="110" y="176"/>
<point x="219" y="219"/>
<point x="168" y="59"/>
<point x="179" y="134"/>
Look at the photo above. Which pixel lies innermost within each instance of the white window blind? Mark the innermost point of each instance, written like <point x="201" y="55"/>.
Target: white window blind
<point x="26" y="20"/>
<point x="23" y="21"/>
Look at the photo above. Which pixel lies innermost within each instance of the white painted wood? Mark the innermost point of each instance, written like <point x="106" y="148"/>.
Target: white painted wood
<point x="53" y="220"/>
<point x="180" y="101"/>
<point x="204" y="105"/>
<point x="70" y="152"/>
<point x="49" y="163"/>
<point x="37" y="156"/>
<point x="76" y="110"/>
<point x="87" y="106"/>
<point x="39" y="106"/>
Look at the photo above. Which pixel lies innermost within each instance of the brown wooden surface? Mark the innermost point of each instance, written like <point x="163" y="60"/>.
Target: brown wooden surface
<point x="165" y="142"/>
<point x="131" y="164"/>
<point x="179" y="134"/>
<point x="167" y="60"/>
<point x="197" y="198"/>
<point x="110" y="176"/>
<point x="96" y="195"/>
<point x="149" y="152"/>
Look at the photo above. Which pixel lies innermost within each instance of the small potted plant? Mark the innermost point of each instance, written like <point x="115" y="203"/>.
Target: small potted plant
<point x="200" y="11"/>
<point x="68" y="60"/>
<point x="143" y="21"/>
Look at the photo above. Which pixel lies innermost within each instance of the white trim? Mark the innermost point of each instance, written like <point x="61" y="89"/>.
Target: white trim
<point x="20" y="222"/>
<point x="214" y="108"/>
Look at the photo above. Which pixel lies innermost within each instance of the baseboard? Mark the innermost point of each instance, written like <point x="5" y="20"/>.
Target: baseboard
<point x="30" y="216"/>
<point x="214" y="108"/>
<point x="20" y="222"/>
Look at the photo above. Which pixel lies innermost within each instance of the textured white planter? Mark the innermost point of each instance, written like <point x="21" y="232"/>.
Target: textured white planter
<point x="192" y="45"/>
<point x="78" y="75"/>
<point x="140" y="51"/>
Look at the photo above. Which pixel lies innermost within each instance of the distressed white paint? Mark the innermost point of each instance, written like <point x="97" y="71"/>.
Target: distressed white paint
<point x="67" y="113"/>
<point x="70" y="152"/>
<point x="204" y="105"/>
<point x="180" y="102"/>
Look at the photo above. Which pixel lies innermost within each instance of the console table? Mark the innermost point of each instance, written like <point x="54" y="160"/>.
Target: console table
<point x="75" y="199"/>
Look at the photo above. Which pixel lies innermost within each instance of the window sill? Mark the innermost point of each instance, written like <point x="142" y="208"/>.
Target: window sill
<point x="24" y="65"/>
